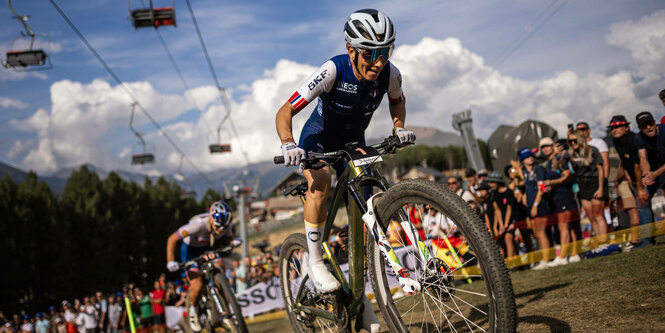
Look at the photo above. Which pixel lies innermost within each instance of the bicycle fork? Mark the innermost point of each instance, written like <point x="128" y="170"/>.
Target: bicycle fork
<point x="408" y="284"/>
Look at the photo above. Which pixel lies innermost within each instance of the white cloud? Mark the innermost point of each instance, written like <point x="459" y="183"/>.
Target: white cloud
<point x="7" y="103"/>
<point x="645" y="39"/>
<point x="441" y="77"/>
<point x="18" y="148"/>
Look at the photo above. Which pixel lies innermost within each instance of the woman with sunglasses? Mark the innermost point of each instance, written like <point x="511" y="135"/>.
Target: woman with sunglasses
<point x="349" y="88"/>
<point x="562" y="199"/>
<point x="587" y="163"/>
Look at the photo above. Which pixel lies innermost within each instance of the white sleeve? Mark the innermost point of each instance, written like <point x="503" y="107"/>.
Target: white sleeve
<point x="601" y="145"/>
<point x="322" y="80"/>
<point x="395" y="94"/>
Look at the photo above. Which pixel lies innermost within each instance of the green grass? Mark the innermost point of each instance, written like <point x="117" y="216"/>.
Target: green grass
<point x="623" y="292"/>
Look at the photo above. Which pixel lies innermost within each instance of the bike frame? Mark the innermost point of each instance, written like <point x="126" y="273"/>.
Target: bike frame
<point x="351" y="182"/>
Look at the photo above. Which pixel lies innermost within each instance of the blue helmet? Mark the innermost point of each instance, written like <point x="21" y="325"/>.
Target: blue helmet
<point x="220" y="212"/>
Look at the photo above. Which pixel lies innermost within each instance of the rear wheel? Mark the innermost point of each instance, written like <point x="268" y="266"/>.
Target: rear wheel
<point x="465" y="283"/>
<point x="293" y="269"/>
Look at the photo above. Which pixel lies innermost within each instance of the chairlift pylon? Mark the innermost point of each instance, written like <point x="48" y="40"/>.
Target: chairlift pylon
<point x="152" y="17"/>
<point x="30" y="59"/>
<point x="187" y="192"/>
<point x="220" y="147"/>
<point x="143" y="157"/>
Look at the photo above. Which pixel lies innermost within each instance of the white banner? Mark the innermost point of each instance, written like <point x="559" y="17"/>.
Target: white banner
<point x="265" y="297"/>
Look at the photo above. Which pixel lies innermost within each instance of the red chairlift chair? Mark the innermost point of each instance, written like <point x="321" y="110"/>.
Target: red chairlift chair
<point x="153" y="17"/>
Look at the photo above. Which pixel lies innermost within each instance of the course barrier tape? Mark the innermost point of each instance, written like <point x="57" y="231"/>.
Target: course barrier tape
<point x="618" y="237"/>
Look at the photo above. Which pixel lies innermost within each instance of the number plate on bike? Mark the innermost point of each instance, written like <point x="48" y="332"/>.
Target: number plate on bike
<point x="211" y="256"/>
<point x="364" y="156"/>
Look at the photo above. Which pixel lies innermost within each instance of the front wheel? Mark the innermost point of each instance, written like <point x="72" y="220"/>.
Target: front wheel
<point x="232" y="318"/>
<point x="465" y="285"/>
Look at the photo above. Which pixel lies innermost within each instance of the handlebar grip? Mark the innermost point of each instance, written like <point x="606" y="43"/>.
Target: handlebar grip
<point x="278" y="159"/>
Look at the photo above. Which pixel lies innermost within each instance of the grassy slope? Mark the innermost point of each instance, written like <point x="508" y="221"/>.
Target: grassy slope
<point x="619" y="293"/>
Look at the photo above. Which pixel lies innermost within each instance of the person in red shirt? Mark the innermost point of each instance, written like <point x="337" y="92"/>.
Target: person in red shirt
<point x="157" y="299"/>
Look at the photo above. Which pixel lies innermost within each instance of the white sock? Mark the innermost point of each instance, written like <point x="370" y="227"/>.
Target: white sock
<point x="314" y="235"/>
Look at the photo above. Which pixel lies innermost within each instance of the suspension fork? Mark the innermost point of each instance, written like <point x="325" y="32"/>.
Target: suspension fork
<point x="214" y="294"/>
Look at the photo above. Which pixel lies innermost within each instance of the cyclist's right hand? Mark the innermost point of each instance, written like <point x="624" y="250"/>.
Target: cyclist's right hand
<point x="172" y="266"/>
<point x="292" y="154"/>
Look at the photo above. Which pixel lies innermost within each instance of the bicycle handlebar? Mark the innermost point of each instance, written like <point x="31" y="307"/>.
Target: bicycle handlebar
<point x="312" y="159"/>
<point x="225" y="250"/>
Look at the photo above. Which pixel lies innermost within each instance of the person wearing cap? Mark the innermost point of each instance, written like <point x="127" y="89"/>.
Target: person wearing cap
<point x="650" y="142"/>
<point x="587" y="165"/>
<point x="563" y="207"/>
<point x="629" y="176"/>
<point x="70" y="317"/>
<point x="27" y="326"/>
<point x="537" y="208"/>
<point x="503" y="203"/>
<point x="42" y="325"/>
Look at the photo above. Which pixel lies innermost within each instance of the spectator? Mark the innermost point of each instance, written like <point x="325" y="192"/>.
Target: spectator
<point x="240" y="274"/>
<point x="537" y="207"/>
<point x="70" y="317"/>
<point x="483" y="192"/>
<point x="157" y="297"/>
<point x="599" y="144"/>
<point x="471" y="184"/>
<point x="145" y="308"/>
<point x="662" y="96"/>
<point x="90" y="316"/>
<point x="101" y="305"/>
<point x="54" y="319"/>
<point x="42" y="325"/>
<point x="650" y="143"/>
<point x="624" y="143"/>
<point x="586" y="162"/>
<point x="114" y="313"/>
<point x="455" y="185"/>
<point x="503" y="201"/>
<point x="27" y="326"/>
<point x="482" y="174"/>
<point x="172" y="295"/>
<point x="563" y="206"/>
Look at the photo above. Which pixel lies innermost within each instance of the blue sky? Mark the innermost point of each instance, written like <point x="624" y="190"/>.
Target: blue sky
<point x="590" y="60"/>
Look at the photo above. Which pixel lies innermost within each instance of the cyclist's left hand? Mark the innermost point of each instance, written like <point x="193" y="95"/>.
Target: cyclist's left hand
<point x="236" y="242"/>
<point x="405" y="135"/>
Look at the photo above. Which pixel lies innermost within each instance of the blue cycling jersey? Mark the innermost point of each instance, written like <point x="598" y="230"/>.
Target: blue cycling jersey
<point x="345" y="105"/>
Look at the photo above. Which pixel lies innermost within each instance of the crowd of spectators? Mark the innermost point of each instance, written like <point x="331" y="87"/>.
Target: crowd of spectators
<point x="539" y="199"/>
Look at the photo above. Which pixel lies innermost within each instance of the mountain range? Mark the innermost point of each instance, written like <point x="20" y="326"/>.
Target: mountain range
<point x="267" y="173"/>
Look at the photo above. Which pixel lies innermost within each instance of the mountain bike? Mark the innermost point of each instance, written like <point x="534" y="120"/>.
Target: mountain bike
<point x="423" y="280"/>
<point x="218" y="306"/>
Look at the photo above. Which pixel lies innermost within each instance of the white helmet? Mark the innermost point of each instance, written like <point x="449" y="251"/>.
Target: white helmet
<point x="369" y="29"/>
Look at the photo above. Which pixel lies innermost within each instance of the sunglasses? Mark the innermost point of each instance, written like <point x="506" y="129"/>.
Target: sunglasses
<point x="573" y="141"/>
<point x="582" y="128"/>
<point x="543" y="146"/>
<point x="649" y="124"/>
<point x="374" y="55"/>
<point x="452" y="183"/>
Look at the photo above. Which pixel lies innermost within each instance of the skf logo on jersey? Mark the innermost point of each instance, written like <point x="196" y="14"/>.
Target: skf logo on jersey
<point x="317" y="79"/>
<point x="347" y="87"/>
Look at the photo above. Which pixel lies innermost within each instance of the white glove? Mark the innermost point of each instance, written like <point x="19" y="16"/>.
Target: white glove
<point x="236" y="242"/>
<point x="405" y="135"/>
<point x="172" y="266"/>
<point x="292" y="154"/>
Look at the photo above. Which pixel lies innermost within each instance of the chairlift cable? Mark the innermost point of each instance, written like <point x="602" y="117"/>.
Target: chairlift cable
<point x="128" y="91"/>
<point x="501" y="59"/>
<point x="222" y="91"/>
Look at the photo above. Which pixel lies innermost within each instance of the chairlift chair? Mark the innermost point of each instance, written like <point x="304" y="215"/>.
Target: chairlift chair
<point x="30" y="59"/>
<point x="153" y="17"/>
<point x="141" y="157"/>
<point x="221" y="147"/>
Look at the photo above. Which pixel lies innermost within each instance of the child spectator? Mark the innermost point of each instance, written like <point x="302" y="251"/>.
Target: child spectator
<point x="503" y="202"/>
